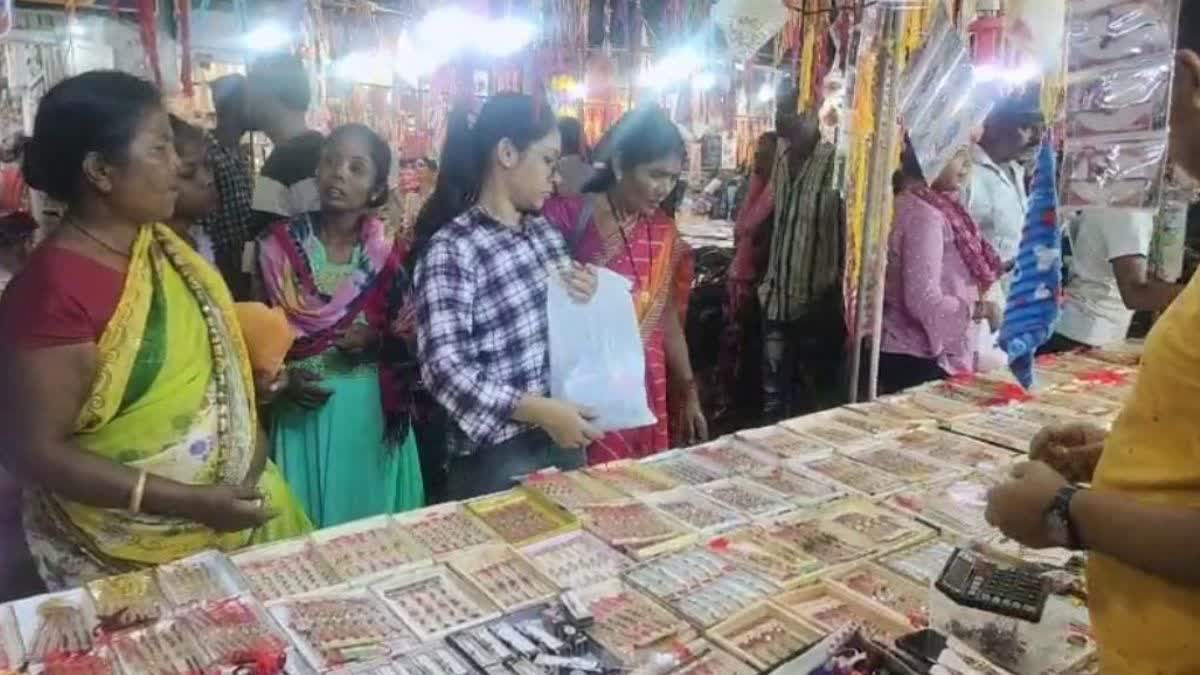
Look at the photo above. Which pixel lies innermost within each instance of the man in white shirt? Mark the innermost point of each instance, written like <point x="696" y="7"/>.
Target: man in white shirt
<point x="1109" y="279"/>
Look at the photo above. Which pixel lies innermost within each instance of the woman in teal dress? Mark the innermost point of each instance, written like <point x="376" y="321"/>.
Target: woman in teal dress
<point x="341" y="433"/>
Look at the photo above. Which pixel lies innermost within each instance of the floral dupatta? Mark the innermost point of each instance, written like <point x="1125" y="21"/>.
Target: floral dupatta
<point x="375" y="290"/>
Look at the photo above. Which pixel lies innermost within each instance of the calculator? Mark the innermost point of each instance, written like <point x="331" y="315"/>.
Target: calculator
<point x="973" y="580"/>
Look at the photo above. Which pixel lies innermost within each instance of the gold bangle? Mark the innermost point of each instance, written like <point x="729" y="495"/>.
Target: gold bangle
<point x="139" y="490"/>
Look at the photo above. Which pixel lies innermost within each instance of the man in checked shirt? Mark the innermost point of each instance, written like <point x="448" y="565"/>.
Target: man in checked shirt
<point x="483" y="258"/>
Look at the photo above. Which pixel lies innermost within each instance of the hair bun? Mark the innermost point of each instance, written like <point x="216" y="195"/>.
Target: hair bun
<point x="34" y="166"/>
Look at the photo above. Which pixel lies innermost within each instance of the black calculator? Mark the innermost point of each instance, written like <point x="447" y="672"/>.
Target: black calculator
<point x="973" y="580"/>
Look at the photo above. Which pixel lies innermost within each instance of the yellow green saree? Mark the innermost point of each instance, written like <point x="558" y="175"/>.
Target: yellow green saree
<point x="173" y="394"/>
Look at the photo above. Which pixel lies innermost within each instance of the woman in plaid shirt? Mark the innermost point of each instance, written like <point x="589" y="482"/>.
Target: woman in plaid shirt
<point x="483" y="255"/>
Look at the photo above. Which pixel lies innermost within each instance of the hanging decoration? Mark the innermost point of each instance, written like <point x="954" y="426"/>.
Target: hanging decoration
<point x="748" y="25"/>
<point x="7" y="17"/>
<point x="148" y="31"/>
<point x="183" y="27"/>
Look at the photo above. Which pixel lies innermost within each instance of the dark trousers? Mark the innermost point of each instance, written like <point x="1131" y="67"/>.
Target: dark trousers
<point x="1059" y="343"/>
<point x="803" y="365"/>
<point x="429" y="428"/>
<point x="498" y="467"/>
<point x="898" y="372"/>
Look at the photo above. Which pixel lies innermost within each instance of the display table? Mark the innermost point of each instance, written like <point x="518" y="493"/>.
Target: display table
<point x="733" y="557"/>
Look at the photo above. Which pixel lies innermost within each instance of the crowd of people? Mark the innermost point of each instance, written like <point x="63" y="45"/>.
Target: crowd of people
<point x="141" y="423"/>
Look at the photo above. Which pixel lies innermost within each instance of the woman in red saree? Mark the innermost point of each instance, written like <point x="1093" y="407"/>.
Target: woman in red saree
<point x="619" y="223"/>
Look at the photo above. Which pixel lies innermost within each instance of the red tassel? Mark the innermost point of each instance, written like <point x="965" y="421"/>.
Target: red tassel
<point x="149" y="34"/>
<point x="183" y="22"/>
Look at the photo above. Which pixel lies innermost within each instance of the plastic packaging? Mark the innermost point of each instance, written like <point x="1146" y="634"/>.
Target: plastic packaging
<point x="1107" y="31"/>
<point x="1130" y="98"/>
<point x="596" y="355"/>
<point x="1114" y="171"/>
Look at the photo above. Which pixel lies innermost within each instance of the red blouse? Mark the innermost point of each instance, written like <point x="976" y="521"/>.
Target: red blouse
<point x="59" y="298"/>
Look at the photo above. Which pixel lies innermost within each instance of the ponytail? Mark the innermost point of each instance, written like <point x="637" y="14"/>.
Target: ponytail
<point x="466" y="155"/>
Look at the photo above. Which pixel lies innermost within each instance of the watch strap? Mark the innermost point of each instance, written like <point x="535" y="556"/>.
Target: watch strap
<point x="1060" y="509"/>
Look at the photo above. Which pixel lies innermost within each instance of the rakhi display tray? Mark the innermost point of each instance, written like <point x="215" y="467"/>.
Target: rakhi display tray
<point x="368" y="548"/>
<point x="996" y="426"/>
<point x="853" y="476"/>
<point x="783" y="442"/>
<point x="981" y="391"/>
<point x="804" y="490"/>
<point x="236" y="631"/>
<point x="714" y="661"/>
<point x="732" y="457"/>
<point x="631" y="525"/>
<point x="910" y="468"/>
<point x="167" y="647"/>
<point x="921" y="563"/>
<point x="571" y="489"/>
<point x="287" y="568"/>
<point x="813" y="539"/>
<point x="335" y="629"/>
<point x="1081" y="405"/>
<point x="887" y="589"/>
<point x="750" y="549"/>
<point x="764" y="636"/>
<point x="576" y="559"/>
<point x="829" y="431"/>
<point x="626" y="621"/>
<point x="435" y="602"/>
<point x="751" y="499"/>
<point x="206" y="576"/>
<point x="56" y="624"/>
<point x="899" y="410"/>
<point x="521" y="516"/>
<point x="446" y="529"/>
<point x="882" y="529"/>
<point x="685" y="468"/>
<point x="957" y="507"/>
<point x="954" y="449"/>
<point x="697" y="511"/>
<point x="699" y="585"/>
<point x="829" y="607"/>
<point x="630" y="477"/>
<point x="941" y="409"/>
<point x="508" y="580"/>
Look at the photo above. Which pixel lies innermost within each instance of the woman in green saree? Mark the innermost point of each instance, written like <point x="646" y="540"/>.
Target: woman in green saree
<point x="128" y="404"/>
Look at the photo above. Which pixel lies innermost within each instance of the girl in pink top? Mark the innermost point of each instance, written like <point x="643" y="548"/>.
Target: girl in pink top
<point x="938" y="269"/>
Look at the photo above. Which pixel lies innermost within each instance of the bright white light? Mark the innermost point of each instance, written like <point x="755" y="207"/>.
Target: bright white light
<point x="448" y="30"/>
<point x="267" y="37"/>
<point x="364" y="68"/>
<point x="706" y="80"/>
<point x="75" y="28"/>
<point x="1016" y="76"/>
<point x="675" y="66"/>
<point x="578" y="91"/>
<point x="507" y="36"/>
<point x="766" y="93"/>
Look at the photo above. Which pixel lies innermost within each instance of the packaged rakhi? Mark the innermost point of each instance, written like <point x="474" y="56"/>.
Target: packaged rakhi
<point x="576" y="559"/>
<point x="435" y="602"/>
<point x="436" y="658"/>
<point x="509" y="581"/>
<point x="289" y="568"/>
<point x="236" y="633"/>
<point x="56" y="625"/>
<point x="832" y="608"/>
<point x="764" y="636"/>
<point x="889" y="590"/>
<point x="127" y="600"/>
<point x="783" y="442"/>
<point x="813" y="539"/>
<point x="732" y="457"/>
<point x="881" y="528"/>
<point x="853" y="475"/>
<point x="200" y="578"/>
<point x="714" y="662"/>
<point x="571" y="489"/>
<point x="164" y="648"/>
<point x="683" y="468"/>
<point x="922" y="563"/>
<point x="695" y="510"/>
<point x="337" y="628"/>
<point x="771" y="559"/>
<point x="625" y="621"/>
<point x="445" y="529"/>
<point x="910" y="467"/>
<point x="699" y="585"/>
<point x="1103" y="32"/>
<point x="1121" y="171"/>
<point x="957" y="506"/>
<point x="370" y="547"/>
<point x="1132" y="98"/>
<point x="799" y="489"/>
<point x="630" y="524"/>
<point x="828" y="431"/>
<point x="953" y="449"/>
<point x="630" y="477"/>
<point x="99" y="661"/>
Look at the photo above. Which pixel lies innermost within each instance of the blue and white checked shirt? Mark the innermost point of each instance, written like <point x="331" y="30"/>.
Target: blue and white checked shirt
<point x="481" y="320"/>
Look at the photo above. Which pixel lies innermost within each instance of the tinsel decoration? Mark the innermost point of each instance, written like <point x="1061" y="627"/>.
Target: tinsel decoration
<point x="183" y="26"/>
<point x="148" y="32"/>
<point x="804" y="74"/>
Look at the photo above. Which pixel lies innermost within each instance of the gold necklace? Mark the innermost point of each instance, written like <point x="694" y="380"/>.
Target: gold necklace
<point x="104" y="244"/>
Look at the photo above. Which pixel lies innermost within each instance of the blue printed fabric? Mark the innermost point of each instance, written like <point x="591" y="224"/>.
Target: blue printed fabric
<point x="1036" y="289"/>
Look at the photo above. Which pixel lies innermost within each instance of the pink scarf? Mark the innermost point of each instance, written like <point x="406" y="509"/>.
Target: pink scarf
<point x="981" y="259"/>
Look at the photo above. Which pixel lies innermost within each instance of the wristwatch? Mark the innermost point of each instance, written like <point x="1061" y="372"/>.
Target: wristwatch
<point x="1059" y="521"/>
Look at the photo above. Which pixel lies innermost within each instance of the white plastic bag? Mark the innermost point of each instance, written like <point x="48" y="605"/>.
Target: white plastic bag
<point x="596" y="355"/>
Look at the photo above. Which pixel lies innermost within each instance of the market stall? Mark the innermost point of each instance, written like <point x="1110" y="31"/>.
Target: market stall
<point x="760" y="549"/>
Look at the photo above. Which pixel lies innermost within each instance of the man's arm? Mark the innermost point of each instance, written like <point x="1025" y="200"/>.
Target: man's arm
<point x="1160" y="540"/>
<point x="1139" y="290"/>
